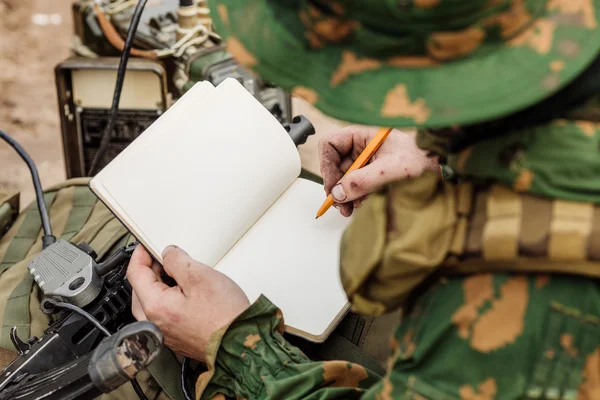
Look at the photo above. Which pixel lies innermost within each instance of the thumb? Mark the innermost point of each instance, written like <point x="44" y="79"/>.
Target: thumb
<point x="361" y="182"/>
<point x="176" y="264"/>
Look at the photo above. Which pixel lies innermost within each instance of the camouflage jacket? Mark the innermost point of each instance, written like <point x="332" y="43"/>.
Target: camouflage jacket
<point x="493" y="334"/>
<point x="534" y="337"/>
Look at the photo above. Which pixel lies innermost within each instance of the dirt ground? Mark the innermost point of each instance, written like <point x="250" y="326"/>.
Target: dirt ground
<point x="35" y="36"/>
<point x="28" y="111"/>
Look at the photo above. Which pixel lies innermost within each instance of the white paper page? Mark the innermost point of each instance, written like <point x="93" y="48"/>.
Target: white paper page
<point x="293" y="259"/>
<point x="207" y="177"/>
<point x="163" y="124"/>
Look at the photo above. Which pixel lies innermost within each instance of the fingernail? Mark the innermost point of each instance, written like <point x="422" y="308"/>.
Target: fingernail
<point x="167" y="250"/>
<point x="337" y="206"/>
<point x="338" y="192"/>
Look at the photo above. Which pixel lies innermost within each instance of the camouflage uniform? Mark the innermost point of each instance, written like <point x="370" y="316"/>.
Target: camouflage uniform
<point x="497" y="271"/>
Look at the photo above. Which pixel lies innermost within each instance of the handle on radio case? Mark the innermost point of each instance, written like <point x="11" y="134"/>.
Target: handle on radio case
<point x="300" y="129"/>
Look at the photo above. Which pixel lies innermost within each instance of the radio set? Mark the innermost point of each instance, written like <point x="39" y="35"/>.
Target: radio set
<point x="175" y="47"/>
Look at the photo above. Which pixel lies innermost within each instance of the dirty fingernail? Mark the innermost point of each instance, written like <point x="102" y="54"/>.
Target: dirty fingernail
<point x="167" y="250"/>
<point x="338" y="193"/>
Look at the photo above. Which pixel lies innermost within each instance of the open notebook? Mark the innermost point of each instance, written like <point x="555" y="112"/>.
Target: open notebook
<point x="217" y="175"/>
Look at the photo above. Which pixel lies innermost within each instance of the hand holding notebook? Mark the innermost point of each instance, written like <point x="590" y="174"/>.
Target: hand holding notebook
<point x="217" y="175"/>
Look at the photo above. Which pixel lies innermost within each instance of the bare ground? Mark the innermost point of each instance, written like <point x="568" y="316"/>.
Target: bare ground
<point x="28" y="108"/>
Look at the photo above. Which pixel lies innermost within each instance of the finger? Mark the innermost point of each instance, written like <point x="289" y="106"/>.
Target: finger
<point x="363" y="181"/>
<point x="136" y="308"/>
<point x="144" y="281"/>
<point x="356" y="203"/>
<point x="330" y="161"/>
<point x="338" y="145"/>
<point x="346" y="164"/>
<point x="157" y="269"/>
<point x="345" y="209"/>
<point x="181" y="267"/>
<point x="141" y="256"/>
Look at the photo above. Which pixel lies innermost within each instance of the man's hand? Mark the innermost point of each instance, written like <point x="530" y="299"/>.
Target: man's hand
<point x="203" y="301"/>
<point x="397" y="158"/>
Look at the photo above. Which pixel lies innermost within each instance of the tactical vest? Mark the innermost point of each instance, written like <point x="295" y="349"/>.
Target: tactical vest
<point x="425" y="228"/>
<point x="77" y="216"/>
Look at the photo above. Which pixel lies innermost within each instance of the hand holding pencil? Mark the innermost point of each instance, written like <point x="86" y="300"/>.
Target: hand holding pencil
<point x="358" y="160"/>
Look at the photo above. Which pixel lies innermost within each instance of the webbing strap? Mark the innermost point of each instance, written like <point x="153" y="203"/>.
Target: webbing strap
<point x="569" y="230"/>
<point x="17" y="305"/>
<point x="166" y="370"/>
<point x="464" y="204"/>
<point x="501" y="231"/>
<point x="26" y="235"/>
<point x="83" y="203"/>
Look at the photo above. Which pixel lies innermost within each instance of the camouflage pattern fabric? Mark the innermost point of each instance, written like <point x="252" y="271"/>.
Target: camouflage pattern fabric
<point x="560" y="160"/>
<point x="406" y="63"/>
<point x="485" y="337"/>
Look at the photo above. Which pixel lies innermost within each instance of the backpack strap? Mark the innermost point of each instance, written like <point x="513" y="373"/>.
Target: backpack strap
<point x="26" y="235"/>
<point x="502" y="230"/>
<point x="508" y="231"/>
<point x="570" y="230"/>
<point x="83" y="204"/>
<point x="166" y="371"/>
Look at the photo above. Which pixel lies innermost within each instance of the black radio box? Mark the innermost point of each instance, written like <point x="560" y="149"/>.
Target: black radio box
<point x="85" y="89"/>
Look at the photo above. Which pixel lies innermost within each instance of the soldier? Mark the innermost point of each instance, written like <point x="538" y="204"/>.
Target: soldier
<point x="497" y="270"/>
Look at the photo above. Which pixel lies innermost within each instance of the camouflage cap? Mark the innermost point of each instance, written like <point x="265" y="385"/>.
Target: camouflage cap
<point x="428" y="63"/>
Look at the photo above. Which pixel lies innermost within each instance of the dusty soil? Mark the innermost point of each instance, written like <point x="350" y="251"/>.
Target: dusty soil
<point x="34" y="37"/>
<point x="28" y="108"/>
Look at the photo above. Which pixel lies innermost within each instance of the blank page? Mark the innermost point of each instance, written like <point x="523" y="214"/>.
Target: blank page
<point x="205" y="178"/>
<point x="293" y="259"/>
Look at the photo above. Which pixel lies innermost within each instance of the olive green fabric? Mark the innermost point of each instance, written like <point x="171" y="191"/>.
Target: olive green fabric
<point x="76" y="215"/>
<point x="9" y="209"/>
<point x="16" y="307"/>
<point x="429" y="63"/>
<point x="485" y="337"/>
<point x="495" y="333"/>
<point x="579" y="100"/>
<point x="558" y="160"/>
<point x="391" y="246"/>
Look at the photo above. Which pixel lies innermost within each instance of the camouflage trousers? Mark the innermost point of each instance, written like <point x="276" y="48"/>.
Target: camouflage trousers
<point x="499" y="337"/>
<point x="481" y="337"/>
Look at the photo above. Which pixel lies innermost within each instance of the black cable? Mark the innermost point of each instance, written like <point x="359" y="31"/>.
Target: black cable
<point x="138" y="389"/>
<point x="184" y="387"/>
<point x="58" y="304"/>
<point x="135" y="20"/>
<point x="80" y="311"/>
<point x="48" y="239"/>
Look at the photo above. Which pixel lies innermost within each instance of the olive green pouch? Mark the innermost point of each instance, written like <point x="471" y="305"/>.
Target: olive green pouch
<point x="398" y="237"/>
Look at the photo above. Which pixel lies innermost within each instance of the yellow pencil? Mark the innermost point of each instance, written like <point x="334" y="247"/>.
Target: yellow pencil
<point x="360" y="162"/>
